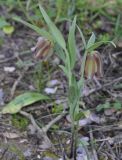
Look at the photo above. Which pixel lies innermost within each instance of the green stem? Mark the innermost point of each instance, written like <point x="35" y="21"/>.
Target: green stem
<point x="81" y="81"/>
<point x="74" y="140"/>
<point x="69" y="67"/>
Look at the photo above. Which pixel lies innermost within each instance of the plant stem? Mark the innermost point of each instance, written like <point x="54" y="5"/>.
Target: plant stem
<point x="69" y="67"/>
<point x="72" y="115"/>
<point x="81" y="81"/>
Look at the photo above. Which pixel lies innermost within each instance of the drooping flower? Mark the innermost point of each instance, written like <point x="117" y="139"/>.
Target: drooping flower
<point x="43" y="49"/>
<point x="93" y="65"/>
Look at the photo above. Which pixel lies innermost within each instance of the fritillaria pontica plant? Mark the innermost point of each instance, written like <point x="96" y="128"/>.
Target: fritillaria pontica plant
<point x="91" y="64"/>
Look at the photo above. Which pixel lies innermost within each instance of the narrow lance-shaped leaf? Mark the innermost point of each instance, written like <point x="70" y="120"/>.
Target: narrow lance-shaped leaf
<point x="64" y="69"/>
<point x="21" y="101"/>
<point x="98" y="44"/>
<point x="91" y="40"/>
<point x="82" y="36"/>
<point x="59" y="51"/>
<point x="41" y="32"/>
<point x="54" y="30"/>
<point x="117" y="24"/>
<point x="81" y="81"/>
<point x="72" y="44"/>
<point x="73" y="97"/>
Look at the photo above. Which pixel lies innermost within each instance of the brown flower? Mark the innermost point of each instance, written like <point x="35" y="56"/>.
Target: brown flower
<point x="43" y="48"/>
<point x="93" y="65"/>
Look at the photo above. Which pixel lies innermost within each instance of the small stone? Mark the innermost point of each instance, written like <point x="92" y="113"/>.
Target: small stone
<point x="109" y="112"/>
<point x="9" y="69"/>
<point x="27" y="153"/>
<point x="50" y="90"/>
<point x="53" y="83"/>
<point x="1" y="97"/>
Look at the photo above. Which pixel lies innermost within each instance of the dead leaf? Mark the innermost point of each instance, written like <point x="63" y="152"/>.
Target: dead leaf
<point x="11" y="135"/>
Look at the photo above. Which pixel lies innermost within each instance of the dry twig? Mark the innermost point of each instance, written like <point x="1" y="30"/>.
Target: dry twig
<point x="17" y="81"/>
<point x="43" y="131"/>
<point x="92" y="145"/>
<point x="103" y="86"/>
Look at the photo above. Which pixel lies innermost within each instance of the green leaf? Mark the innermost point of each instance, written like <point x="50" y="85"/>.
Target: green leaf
<point x="81" y="81"/>
<point x="98" y="44"/>
<point x="79" y="115"/>
<point x="41" y="32"/>
<point x="72" y="43"/>
<point x="117" y="105"/>
<point x="73" y="98"/>
<point x="117" y="25"/>
<point x="54" y="30"/>
<point x="103" y="106"/>
<point x="82" y="37"/>
<point x="64" y="69"/>
<point x="83" y="143"/>
<point x="21" y="101"/>
<point x="91" y="40"/>
<point x="3" y="23"/>
<point x="59" y="52"/>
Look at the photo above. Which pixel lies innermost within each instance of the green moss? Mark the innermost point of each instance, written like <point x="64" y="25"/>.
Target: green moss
<point x="57" y="108"/>
<point x="19" y="121"/>
<point x="50" y="155"/>
<point x="17" y="151"/>
<point x="14" y="150"/>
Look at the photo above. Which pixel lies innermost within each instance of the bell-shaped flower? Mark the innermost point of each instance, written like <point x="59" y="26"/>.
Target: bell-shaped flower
<point x="43" y="49"/>
<point x="93" y="65"/>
